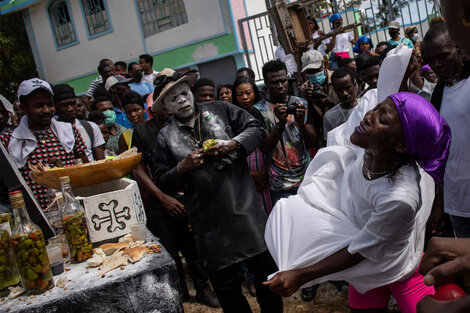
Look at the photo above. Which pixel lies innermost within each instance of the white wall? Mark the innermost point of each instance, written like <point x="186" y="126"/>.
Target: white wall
<point x="255" y="6"/>
<point x="124" y="43"/>
<point x="204" y="20"/>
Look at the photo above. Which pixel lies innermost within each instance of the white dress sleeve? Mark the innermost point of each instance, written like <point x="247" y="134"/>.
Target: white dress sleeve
<point x="387" y="229"/>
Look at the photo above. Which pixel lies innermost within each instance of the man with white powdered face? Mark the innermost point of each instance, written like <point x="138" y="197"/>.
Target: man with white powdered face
<point x="202" y="151"/>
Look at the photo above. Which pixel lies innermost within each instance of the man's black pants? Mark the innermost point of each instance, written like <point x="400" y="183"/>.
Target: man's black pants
<point x="175" y="236"/>
<point x="227" y="286"/>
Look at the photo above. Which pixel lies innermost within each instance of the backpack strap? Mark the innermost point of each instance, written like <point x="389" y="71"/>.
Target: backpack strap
<point x="438" y="92"/>
<point x="89" y="131"/>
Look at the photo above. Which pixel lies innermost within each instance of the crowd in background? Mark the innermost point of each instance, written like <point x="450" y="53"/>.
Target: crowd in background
<point x="119" y="111"/>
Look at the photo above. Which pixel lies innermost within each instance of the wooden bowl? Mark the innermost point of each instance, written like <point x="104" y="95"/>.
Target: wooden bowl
<point x="89" y="173"/>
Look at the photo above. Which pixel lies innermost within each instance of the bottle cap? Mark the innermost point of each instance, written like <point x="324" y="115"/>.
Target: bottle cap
<point x="16" y="199"/>
<point x="64" y="179"/>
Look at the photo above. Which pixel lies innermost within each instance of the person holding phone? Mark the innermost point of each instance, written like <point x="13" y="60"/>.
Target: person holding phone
<point x="338" y="45"/>
<point x="317" y="89"/>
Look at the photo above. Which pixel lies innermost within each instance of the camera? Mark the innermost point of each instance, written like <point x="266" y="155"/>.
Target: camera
<point x="292" y="106"/>
<point x="317" y="91"/>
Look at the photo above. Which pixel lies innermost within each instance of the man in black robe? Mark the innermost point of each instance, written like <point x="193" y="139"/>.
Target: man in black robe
<point x="221" y="198"/>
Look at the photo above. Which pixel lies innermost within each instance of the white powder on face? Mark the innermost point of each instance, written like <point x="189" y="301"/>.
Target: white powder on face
<point x="180" y="101"/>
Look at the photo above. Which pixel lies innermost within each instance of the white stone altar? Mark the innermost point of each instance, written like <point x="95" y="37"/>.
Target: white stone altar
<point x="111" y="208"/>
<point x="150" y="285"/>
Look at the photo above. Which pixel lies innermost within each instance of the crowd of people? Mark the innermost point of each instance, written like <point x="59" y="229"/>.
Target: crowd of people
<point x="331" y="178"/>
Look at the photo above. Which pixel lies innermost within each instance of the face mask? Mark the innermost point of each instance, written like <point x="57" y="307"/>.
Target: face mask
<point x="317" y="78"/>
<point x="415" y="37"/>
<point x="110" y="117"/>
<point x="393" y="34"/>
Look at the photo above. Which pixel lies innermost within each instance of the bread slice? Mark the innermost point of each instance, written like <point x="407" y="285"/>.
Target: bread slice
<point x="135" y="254"/>
<point x="110" y="248"/>
<point x="113" y="262"/>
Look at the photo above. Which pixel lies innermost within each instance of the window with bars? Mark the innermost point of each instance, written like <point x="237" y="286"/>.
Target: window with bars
<point x="96" y="17"/>
<point x="61" y="23"/>
<point x="159" y="15"/>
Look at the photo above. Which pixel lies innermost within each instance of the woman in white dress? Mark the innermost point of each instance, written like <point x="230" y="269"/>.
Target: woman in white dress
<point x="361" y="211"/>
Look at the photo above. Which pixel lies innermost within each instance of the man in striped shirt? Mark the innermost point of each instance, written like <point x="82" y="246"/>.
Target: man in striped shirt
<point x="98" y="80"/>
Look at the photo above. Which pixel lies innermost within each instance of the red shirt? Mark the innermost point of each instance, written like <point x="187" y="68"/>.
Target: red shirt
<point x="48" y="146"/>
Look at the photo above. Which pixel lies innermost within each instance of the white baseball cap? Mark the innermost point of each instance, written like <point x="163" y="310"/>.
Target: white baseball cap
<point x="28" y="86"/>
<point x="116" y="79"/>
<point x="312" y="59"/>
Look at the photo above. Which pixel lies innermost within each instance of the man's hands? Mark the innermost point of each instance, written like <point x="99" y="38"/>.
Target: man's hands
<point x="430" y="305"/>
<point x="280" y="111"/>
<point x="173" y="206"/>
<point x="445" y="259"/>
<point x="222" y="147"/>
<point x="307" y="91"/>
<point x="300" y="115"/>
<point x="285" y="283"/>
<point x="261" y="179"/>
<point x="196" y="158"/>
<point x="190" y="162"/>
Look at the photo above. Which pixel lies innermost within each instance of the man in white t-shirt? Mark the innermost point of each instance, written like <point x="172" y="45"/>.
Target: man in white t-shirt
<point x="146" y="63"/>
<point x="452" y="97"/>
<point x="338" y="45"/>
<point x="66" y="108"/>
<point x="288" y="60"/>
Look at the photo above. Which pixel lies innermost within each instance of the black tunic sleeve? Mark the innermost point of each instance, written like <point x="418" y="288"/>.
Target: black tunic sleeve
<point x="163" y="167"/>
<point x="248" y="131"/>
<point x="257" y="114"/>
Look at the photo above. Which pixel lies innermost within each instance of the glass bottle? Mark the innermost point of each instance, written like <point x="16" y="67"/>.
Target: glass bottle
<point x="28" y="245"/>
<point x="54" y="200"/>
<point x="9" y="274"/>
<point x="75" y="224"/>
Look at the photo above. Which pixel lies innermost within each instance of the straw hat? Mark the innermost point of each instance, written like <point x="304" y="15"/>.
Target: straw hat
<point x="166" y="79"/>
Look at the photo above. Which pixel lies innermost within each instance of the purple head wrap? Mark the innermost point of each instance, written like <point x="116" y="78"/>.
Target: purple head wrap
<point x="424" y="69"/>
<point x="427" y="135"/>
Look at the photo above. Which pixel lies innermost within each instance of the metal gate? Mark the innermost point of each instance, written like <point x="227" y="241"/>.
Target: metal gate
<point x="259" y="42"/>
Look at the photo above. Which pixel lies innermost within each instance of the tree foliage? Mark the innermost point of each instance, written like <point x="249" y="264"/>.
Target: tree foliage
<point x="383" y="15"/>
<point x="16" y="58"/>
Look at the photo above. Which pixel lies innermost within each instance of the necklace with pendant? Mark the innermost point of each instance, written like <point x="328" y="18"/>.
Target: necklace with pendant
<point x="197" y="142"/>
<point x="370" y="174"/>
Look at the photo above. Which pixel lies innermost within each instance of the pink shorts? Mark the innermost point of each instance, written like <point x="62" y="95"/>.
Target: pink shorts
<point x="407" y="293"/>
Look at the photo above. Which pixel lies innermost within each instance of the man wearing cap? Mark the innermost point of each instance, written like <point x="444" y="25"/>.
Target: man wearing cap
<point x="65" y="103"/>
<point x="166" y="214"/>
<point x="317" y="89"/>
<point x="40" y="138"/>
<point x="220" y="195"/>
<point x="117" y="86"/>
<point x="394" y="32"/>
